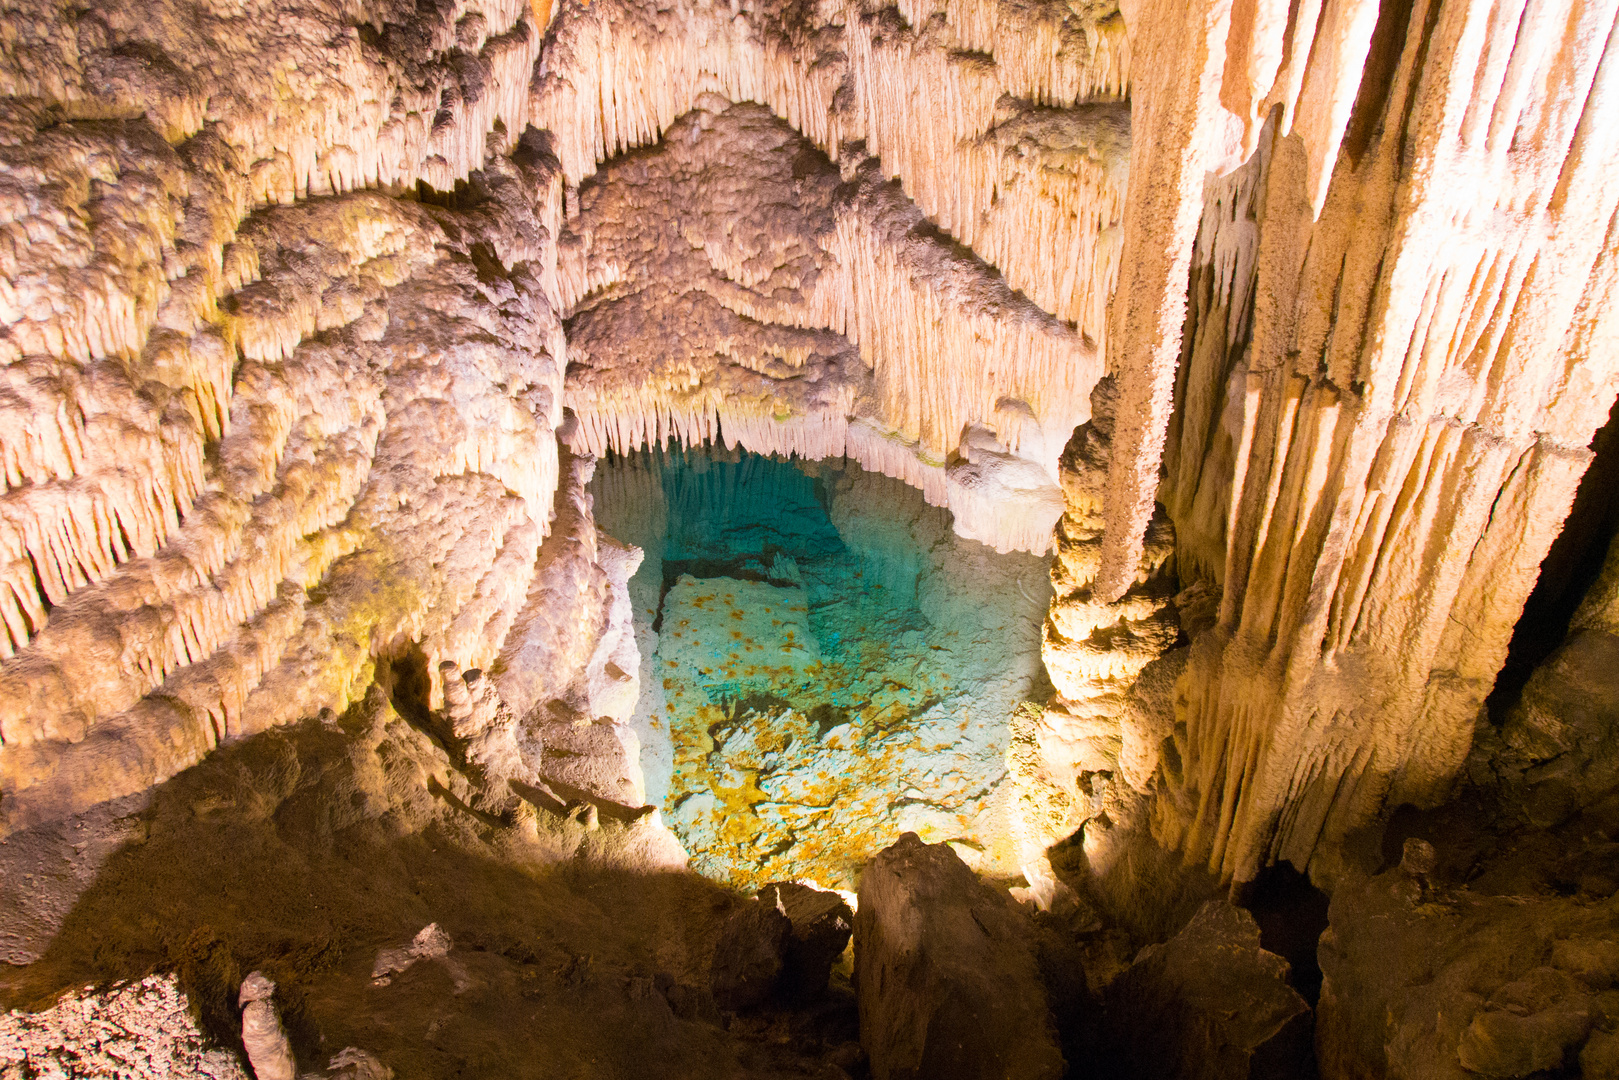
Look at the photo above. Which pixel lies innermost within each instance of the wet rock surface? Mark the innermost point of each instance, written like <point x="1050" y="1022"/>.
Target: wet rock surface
<point x="949" y="986"/>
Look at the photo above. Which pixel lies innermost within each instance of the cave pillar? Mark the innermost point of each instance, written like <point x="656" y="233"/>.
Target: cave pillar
<point x="1383" y="391"/>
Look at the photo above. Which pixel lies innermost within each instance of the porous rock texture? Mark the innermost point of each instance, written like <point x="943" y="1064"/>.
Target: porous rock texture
<point x="143" y="1030"/>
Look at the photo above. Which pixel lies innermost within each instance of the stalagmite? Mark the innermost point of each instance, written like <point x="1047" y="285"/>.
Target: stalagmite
<point x="1096" y="746"/>
<point x="1278" y="337"/>
<point x="262" y="1034"/>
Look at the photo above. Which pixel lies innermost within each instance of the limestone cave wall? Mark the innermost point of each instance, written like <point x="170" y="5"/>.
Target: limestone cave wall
<point x="298" y="303"/>
<point x="1375" y="361"/>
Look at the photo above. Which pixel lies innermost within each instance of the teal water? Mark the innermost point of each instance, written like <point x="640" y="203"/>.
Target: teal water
<point x="825" y="663"/>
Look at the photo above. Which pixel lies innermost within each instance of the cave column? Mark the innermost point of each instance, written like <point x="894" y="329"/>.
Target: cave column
<point x="1372" y="454"/>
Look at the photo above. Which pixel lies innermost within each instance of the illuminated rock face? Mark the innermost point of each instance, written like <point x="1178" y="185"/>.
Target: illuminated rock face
<point x="1284" y="328"/>
<point x="295" y="299"/>
<point x="731" y="281"/>
<point x="834" y="667"/>
<point x="384" y="476"/>
<point x="1377" y="352"/>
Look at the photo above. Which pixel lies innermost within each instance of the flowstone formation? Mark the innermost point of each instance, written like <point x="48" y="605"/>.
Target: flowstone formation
<point x="830" y="665"/>
<point x="373" y="677"/>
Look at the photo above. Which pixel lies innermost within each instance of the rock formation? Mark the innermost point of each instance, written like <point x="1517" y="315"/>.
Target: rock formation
<point x="263" y="1037"/>
<point x="948" y="985"/>
<point x="339" y="340"/>
<point x="1390" y="380"/>
<point x="142" y="1030"/>
<point x="1209" y="1003"/>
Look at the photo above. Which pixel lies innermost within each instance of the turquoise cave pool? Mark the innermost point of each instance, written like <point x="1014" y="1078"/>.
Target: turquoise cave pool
<point x="825" y="665"/>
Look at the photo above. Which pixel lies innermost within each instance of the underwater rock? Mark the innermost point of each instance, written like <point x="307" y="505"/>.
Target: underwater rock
<point x="847" y="680"/>
<point x="949" y="987"/>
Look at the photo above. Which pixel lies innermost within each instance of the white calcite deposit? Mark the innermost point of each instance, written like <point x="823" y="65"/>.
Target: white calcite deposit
<point x="144" y="1031"/>
<point x="1172" y="404"/>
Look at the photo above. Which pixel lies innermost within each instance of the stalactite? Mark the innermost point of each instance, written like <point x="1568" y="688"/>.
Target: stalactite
<point x="968" y="139"/>
<point x="947" y="344"/>
<point x="1385" y="493"/>
<point x="134" y="260"/>
<point x="412" y="422"/>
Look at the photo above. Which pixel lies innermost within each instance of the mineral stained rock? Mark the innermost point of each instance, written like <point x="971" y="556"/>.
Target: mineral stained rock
<point x="833" y="666"/>
<point x="1209" y="1004"/>
<point x="273" y="412"/>
<point x="304" y="303"/>
<point x="949" y="987"/>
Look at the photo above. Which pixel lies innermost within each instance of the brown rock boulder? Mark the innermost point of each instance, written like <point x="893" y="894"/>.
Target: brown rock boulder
<point x="749" y="957"/>
<point x="949" y="987"/>
<point x="1501" y="977"/>
<point x="1209" y="1004"/>
<point x="821" y="925"/>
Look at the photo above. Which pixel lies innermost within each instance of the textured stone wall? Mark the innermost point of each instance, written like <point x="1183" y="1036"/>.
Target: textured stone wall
<point x="261" y="427"/>
<point x="1397" y="342"/>
<point x="292" y="301"/>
